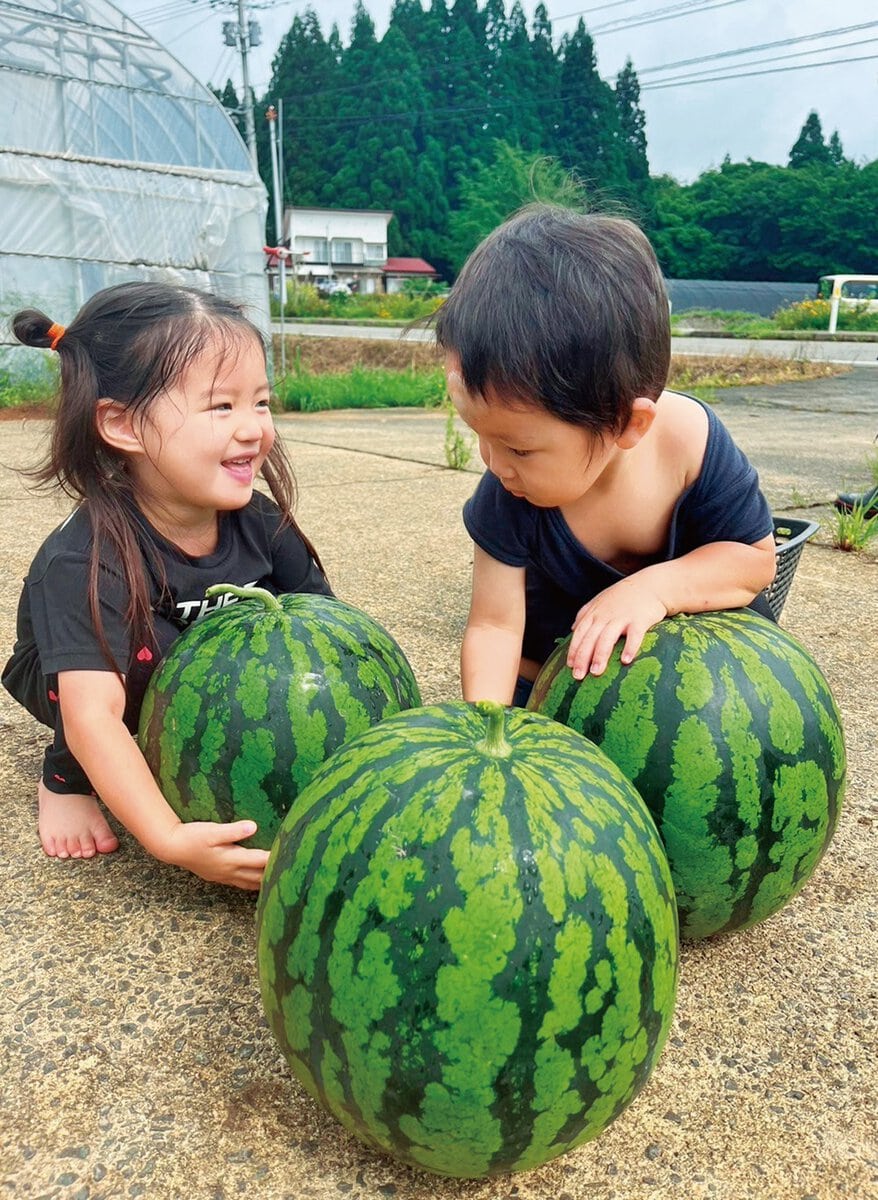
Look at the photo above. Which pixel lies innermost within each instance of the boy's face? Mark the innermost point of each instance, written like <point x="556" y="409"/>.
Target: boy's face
<point x="534" y="454"/>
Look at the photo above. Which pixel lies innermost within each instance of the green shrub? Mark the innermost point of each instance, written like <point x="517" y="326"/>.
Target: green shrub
<point x="306" y="301"/>
<point x="34" y="390"/>
<point x="303" y="300"/>
<point x="814" y="314"/>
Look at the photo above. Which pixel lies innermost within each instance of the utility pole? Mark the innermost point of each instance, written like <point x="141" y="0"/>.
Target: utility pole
<point x="281" y="251"/>
<point x="244" y="42"/>
<point x="245" y="34"/>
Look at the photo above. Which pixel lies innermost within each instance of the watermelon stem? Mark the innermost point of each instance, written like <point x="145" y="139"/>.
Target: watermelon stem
<point x="245" y="593"/>
<point x="494" y="741"/>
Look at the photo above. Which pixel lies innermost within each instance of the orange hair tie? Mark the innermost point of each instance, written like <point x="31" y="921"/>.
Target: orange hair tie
<point x="55" y="334"/>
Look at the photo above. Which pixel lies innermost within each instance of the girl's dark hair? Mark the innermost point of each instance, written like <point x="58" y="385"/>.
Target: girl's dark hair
<point x="130" y="343"/>
<point x="565" y="310"/>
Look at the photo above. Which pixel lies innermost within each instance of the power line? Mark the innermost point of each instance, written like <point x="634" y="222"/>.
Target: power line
<point x="792" y="41"/>
<point x="743" y="50"/>
<point x="774" y="59"/>
<point x="689" y="8"/>
<point x="170" y="41"/>
<point x="452" y="112"/>
<point x="683" y="82"/>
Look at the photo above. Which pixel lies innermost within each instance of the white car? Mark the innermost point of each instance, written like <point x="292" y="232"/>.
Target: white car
<point x="332" y="287"/>
<point x="850" y="289"/>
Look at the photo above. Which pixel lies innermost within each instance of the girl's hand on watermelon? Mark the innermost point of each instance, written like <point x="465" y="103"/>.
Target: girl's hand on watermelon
<point x="211" y="851"/>
<point x="627" y="609"/>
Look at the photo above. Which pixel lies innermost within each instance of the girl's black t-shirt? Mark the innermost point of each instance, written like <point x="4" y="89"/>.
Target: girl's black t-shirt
<point x="55" y="631"/>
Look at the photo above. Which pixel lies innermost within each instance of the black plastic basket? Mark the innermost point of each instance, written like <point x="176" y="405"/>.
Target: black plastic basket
<point x="790" y="536"/>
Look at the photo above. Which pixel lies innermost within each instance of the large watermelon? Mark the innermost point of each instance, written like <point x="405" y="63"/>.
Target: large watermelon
<point x="467" y="939"/>
<point x="728" y="729"/>
<point x="251" y="699"/>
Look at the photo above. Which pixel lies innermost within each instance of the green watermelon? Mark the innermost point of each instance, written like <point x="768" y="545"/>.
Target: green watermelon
<point x="728" y="730"/>
<point x="467" y="939"/>
<point x="251" y="699"/>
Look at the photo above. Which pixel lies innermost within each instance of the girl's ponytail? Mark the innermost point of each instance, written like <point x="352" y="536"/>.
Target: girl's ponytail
<point x="34" y="328"/>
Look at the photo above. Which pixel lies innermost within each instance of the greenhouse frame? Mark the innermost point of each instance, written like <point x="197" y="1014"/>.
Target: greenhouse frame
<point x="115" y="164"/>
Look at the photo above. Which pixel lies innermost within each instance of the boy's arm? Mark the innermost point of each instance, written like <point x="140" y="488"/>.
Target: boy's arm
<point x="92" y="705"/>
<point x="715" y="576"/>
<point x="491" y="649"/>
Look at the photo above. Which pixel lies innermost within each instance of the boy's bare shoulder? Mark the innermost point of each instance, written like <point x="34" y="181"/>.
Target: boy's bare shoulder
<point x="683" y="426"/>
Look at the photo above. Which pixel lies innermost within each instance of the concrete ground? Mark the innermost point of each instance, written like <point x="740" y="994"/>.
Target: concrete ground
<point x="135" y="1058"/>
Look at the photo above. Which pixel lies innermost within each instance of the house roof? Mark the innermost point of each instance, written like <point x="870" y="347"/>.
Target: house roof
<point x="408" y="266"/>
<point x="361" y="212"/>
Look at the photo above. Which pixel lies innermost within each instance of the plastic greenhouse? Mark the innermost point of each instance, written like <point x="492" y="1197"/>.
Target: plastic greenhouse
<point x="115" y="164"/>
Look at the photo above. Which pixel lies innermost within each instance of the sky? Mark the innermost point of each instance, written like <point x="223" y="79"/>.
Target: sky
<point x="692" y="123"/>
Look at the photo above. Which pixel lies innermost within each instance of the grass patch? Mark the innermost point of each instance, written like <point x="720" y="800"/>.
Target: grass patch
<point x="719" y="320"/>
<point x="808" y="316"/>
<point x="361" y="387"/>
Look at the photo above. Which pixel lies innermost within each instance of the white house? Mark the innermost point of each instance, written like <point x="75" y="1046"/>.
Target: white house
<point x="341" y="245"/>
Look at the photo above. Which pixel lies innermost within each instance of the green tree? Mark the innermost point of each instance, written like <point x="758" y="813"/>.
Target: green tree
<point x="515" y="86"/>
<point x="496" y="189"/>
<point x="685" y="249"/>
<point x="228" y="98"/>
<point x="758" y="221"/>
<point x="632" y="137"/>
<point x="388" y="163"/>
<point x="836" y="150"/>
<point x="589" y="138"/>
<point x="412" y="22"/>
<point x="305" y="76"/>
<point x="357" y="105"/>
<point x="809" y="148"/>
<point x="547" y="73"/>
<point x="464" y="106"/>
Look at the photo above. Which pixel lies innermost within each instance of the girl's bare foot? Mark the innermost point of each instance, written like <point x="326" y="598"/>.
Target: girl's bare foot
<point x="73" y="826"/>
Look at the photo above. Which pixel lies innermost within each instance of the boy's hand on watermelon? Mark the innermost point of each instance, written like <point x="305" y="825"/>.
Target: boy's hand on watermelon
<point x="627" y="609"/>
<point x="211" y="851"/>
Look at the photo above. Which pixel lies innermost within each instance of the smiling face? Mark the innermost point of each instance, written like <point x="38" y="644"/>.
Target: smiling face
<point x="205" y="438"/>
<point x="534" y="454"/>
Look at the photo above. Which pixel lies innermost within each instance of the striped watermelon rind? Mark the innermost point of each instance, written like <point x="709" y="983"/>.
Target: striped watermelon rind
<point x="254" y="697"/>
<point x="729" y="731"/>
<point x="467" y="939"/>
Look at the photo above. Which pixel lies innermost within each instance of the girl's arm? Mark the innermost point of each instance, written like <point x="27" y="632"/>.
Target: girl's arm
<point x="92" y="705"/>
<point x="712" y="577"/>
<point x="491" y="651"/>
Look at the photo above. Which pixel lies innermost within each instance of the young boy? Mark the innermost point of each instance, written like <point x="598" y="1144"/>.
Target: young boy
<point x="608" y="502"/>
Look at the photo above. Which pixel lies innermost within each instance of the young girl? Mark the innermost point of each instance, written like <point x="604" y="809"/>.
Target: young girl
<point x="608" y="503"/>
<point x="163" y="425"/>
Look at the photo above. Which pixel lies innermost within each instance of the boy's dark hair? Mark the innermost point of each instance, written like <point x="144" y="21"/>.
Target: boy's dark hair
<point x="130" y="343"/>
<point x="563" y="309"/>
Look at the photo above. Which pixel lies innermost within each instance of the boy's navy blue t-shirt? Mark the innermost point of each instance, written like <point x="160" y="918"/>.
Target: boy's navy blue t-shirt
<point x="723" y="504"/>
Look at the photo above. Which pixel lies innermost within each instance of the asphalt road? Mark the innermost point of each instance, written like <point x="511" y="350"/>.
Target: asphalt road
<point x="841" y="352"/>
